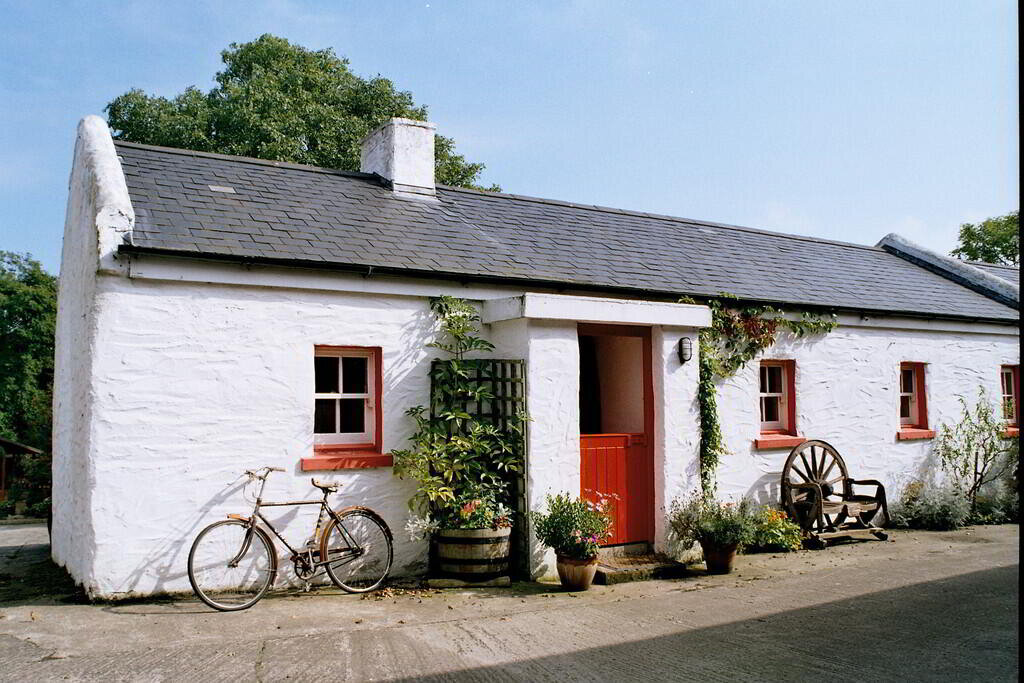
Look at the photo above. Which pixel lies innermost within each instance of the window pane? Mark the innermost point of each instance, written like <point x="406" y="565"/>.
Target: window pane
<point x="352" y="416"/>
<point x="764" y="380"/>
<point x="770" y="409"/>
<point x="904" y="406"/>
<point x="907" y="381"/>
<point x="323" y="416"/>
<point x="1008" y="408"/>
<point x="353" y="375"/>
<point x="774" y="379"/>
<point x="326" y="370"/>
<point x="1007" y="383"/>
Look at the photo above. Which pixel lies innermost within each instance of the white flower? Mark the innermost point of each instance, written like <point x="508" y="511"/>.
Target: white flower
<point x="420" y="527"/>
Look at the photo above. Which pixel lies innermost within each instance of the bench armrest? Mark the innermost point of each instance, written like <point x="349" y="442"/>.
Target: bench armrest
<point x="866" y="482"/>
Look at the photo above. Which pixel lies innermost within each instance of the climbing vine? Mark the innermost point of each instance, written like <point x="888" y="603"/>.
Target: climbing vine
<point x="738" y="333"/>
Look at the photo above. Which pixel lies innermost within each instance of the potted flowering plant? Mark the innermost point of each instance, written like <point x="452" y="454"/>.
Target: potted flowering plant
<point x="720" y="528"/>
<point x="574" y="528"/>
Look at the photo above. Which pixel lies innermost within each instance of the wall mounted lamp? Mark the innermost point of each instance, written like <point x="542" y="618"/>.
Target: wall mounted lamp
<point x="685" y="349"/>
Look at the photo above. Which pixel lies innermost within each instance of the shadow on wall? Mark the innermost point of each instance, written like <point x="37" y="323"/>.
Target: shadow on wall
<point x="165" y="567"/>
<point x="767" y="490"/>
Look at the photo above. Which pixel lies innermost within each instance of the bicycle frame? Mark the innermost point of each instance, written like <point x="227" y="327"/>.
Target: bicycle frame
<point x="353" y="546"/>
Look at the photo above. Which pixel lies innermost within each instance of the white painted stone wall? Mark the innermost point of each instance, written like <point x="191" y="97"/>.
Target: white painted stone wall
<point x="847" y="393"/>
<point x="98" y="214"/>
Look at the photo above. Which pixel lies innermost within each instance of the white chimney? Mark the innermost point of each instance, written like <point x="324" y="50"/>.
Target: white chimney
<point x="402" y="151"/>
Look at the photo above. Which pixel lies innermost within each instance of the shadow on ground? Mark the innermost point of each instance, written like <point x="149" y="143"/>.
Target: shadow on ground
<point x="961" y="628"/>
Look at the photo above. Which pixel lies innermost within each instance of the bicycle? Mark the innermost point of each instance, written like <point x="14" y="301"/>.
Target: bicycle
<point x="233" y="563"/>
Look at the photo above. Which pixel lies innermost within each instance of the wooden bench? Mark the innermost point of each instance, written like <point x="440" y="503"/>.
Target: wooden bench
<point x="818" y="494"/>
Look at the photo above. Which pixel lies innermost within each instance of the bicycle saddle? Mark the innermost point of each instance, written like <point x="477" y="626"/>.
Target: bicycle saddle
<point x="326" y="488"/>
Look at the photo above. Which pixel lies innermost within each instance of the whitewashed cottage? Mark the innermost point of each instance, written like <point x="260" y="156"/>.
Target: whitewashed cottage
<point x="197" y="291"/>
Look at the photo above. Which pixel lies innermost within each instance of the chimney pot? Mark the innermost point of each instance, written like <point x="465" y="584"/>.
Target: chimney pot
<point x="402" y="151"/>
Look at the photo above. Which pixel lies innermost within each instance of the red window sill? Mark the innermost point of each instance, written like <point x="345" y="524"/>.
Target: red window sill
<point x="770" y="441"/>
<point x="335" y="458"/>
<point x="911" y="434"/>
<point x="1011" y="432"/>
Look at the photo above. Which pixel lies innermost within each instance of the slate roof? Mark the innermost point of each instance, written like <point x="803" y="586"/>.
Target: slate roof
<point x="1009" y="273"/>
<point x="298" y="215"/>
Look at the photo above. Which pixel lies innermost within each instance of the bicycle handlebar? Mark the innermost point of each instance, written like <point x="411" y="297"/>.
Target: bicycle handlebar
<point x="265" y="470"/>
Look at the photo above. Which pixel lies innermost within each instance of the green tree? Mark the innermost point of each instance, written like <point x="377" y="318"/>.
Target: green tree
<point x="994" y="240"/>
<point x="275" y="100"/>
<point x="28" y="312"/>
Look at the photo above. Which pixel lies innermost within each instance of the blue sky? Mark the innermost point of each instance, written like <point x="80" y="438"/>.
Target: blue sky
<point x="840" y="120"/>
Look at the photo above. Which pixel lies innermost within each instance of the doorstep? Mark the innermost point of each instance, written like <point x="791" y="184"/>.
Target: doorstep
<point x="636" y="562"/>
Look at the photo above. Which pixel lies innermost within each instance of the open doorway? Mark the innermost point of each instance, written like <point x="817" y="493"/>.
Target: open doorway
<point x="616" y="421"/>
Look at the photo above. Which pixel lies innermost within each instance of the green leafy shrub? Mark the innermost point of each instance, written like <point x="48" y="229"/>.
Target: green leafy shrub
<point x="707" y="521"/>
<point x="930" y="508"/>
<point x="974" y="452"/>
<point x="572" y="526"/>
<point x="462" y="466"/>
<point x="6" y="508"/>
<point x="774" y="532"/>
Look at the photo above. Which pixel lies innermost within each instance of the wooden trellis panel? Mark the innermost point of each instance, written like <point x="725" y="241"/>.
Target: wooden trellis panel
<point x="505" y="380"/>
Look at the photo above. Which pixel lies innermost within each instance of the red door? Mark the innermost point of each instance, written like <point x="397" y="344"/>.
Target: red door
<point x="619" y="466"/>
<point x="616" y="424"/>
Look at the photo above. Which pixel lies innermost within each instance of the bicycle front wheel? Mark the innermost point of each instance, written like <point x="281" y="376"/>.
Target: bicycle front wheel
<point x="230" y="568"/>
<point x="357" y="552"/>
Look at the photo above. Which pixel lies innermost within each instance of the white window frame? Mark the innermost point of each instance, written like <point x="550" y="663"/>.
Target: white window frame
<point x="365" y="437"/>
<point x="914" y="418"/>
<point x="1008" y="390"/>
<point x="779" y="425"/>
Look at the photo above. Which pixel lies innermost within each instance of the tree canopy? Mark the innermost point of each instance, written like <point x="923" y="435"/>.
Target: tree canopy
<point x="994" y="240"/>
<point x="28" y="313"/>
<point x="280" y="101"/>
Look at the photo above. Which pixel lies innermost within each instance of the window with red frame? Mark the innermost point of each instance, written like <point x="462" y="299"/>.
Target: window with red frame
<point x="346" y="408"/>
<point x="913" y="402"/>
<point x="1010" y="382"/>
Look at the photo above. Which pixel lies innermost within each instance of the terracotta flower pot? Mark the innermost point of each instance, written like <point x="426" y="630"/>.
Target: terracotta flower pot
<point x="576" y="575"/>
<point x="719" y="558"/>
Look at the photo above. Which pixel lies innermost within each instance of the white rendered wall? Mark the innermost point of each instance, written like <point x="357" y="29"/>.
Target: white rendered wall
<point x="98" y="214"/>
<point x="847" y="393"/>
<point x="196" y="383"/>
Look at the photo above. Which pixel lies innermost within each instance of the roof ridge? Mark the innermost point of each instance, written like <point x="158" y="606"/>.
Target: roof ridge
<point x="248" y="160"/>
<point x="662" y="217"/>
<point x="1008" y="266"/>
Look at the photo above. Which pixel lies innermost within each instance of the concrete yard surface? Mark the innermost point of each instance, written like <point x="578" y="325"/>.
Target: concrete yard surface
<point x="923" y="606"/>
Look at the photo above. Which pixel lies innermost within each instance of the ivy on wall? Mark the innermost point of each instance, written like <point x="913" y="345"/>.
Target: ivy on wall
<point x="738" y="333"/>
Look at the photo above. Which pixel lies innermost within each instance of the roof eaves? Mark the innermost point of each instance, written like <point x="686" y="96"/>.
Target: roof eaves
<point x="558" y="285"/>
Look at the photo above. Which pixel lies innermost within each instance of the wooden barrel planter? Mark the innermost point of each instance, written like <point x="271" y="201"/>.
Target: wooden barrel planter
<point x="473" y="554"/>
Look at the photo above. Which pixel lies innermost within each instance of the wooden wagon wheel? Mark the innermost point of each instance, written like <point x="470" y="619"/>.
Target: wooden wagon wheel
<point x="812" y="462"/>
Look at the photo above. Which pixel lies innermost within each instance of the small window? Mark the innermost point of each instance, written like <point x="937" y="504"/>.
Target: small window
<point x="775" y="394"/>
<point x="346" y="397"/>
<point x="913" y="414"/>
<point x="1010" y="382"/>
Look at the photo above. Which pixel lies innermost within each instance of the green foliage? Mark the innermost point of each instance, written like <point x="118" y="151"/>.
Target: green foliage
<point x="774" y="532"/>
<point x="574" y="527"/>
<point x="6" y="508"/>
<point x="994" y="240"/>
<point x="703" y="519"/>
<point x="736" y="336"/>
<point x="930" y="508"/>
<point x="973" y="452"/>
<point x="28" y="312"/>
<point x="276" y="100"/>
<point x="459" y="461"/>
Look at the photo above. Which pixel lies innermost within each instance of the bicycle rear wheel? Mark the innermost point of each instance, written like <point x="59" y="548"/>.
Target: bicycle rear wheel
<point x="227" y="571"/>
<point x="357" y="553"/>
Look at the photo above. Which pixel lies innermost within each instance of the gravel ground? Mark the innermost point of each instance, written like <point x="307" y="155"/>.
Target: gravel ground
<point x="923" y="606"/>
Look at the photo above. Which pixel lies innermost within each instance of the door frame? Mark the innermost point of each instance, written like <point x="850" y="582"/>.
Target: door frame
<point x="644" y="334"/>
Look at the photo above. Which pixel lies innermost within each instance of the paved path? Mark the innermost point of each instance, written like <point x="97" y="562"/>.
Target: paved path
<point x="927" y="606"/>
